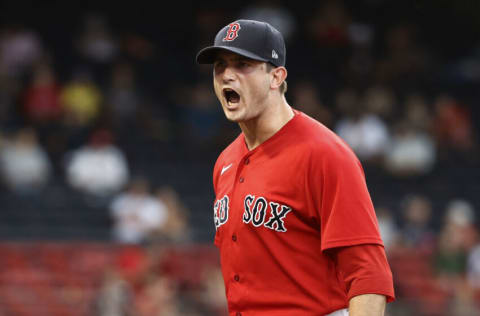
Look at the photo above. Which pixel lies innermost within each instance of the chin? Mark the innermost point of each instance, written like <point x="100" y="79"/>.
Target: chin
<point x="234" y="116"/>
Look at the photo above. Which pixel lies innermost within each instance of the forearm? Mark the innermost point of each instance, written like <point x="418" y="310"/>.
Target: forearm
<point x="367" y="305"/>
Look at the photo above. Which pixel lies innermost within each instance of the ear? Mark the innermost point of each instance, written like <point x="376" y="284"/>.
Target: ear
<point x="279" y="75"/>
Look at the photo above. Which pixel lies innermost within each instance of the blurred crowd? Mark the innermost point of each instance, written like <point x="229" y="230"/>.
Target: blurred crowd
<point x="96" y="109"/>
<point x="155" y="281"/>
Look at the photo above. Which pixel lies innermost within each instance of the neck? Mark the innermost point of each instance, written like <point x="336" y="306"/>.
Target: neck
<point x="264" y="126"/>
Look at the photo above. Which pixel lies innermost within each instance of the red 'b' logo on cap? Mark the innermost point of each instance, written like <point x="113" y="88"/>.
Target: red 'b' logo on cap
<point x="232" y="32"/>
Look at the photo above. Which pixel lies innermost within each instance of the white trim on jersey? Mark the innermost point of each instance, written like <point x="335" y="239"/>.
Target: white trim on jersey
<point x="340" y="312"/>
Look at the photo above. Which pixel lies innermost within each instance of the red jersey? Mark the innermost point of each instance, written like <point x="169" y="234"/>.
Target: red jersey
<point x="278" y="208"/>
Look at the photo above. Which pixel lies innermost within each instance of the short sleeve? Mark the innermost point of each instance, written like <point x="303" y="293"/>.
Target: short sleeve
<point x="365" y="270"/>
<point x="342" y="202"/>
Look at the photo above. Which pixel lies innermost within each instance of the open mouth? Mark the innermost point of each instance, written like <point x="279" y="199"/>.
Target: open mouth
<point x="231" y="96"/>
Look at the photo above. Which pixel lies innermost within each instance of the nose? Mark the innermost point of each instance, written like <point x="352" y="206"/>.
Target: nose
<point x="228" y="74"/>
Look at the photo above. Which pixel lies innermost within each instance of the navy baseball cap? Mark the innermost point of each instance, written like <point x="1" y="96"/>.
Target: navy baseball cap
<point x="253" y="39"/>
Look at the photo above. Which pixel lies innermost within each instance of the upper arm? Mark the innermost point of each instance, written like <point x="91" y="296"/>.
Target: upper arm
<point x="342" y="201"/>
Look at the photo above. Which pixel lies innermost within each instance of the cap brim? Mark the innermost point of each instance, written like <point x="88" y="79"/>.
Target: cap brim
<point x="208" y="54"/>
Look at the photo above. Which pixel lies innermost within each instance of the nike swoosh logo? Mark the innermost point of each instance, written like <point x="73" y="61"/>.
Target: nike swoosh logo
<point x="225" y="168"/>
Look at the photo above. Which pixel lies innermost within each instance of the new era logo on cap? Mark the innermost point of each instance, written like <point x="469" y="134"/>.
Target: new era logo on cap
<point x="252" y="39"/>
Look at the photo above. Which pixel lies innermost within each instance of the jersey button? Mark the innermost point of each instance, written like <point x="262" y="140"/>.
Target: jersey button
<point x="238" y="314"/>
<point x="236" y="277"/>
<point x="247" y="161"/>
<point x="234" y="237"/>
<point x="241" y="179"/>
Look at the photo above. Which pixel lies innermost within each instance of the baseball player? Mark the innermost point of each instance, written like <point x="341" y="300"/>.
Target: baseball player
<point x="295" y="225"/>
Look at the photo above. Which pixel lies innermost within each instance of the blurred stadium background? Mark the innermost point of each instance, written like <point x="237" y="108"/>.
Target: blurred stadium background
<point x="109" y="132"/>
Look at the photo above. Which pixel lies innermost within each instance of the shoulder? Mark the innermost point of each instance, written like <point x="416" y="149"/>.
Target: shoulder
<point x="320" y="142"/>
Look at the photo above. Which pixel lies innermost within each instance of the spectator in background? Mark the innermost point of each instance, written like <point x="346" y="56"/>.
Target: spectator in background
<point x="96" y="41"/>
<point x="418" y="113"/>
<point x="177" y="227"/>
<point x="413" y="149"/>
<point x="359" y="66"/>
<point x="42" y="97"/>
<point x="81" y="99"/>
<point x="473" y="268"/>
<point x="98" y="168"/>
<point x="158" y="297"/>
<point x="20" y="49"/>
<point x="405" y="62"/>
<point x="454" y="241"/>
<point x="213" y="291"/>
<point x="453" y="125"/>
<point x="457" y="237"/>
<point x="330" y="25"/>
<point x="25" y="166"/>
<point x="380" y="101"/>
<point x="115" y="296"/>
<point x="307" y="98"/>
<point x="366" y="133"/>
<point x="137" y="215"/>
<point x="411" y="152"/>
<point x="122" y="97"/>
<point x="328" y="40"/>
<point x="389" y="229"/>
<point x="460" y="214"/>
<point x="416" y="231"/>
<point x="273" y="12"/>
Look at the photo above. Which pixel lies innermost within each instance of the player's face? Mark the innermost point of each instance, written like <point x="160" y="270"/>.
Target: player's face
<point x="242" y="85"/>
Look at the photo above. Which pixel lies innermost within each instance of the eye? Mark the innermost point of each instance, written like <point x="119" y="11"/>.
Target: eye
<point x="242" y="64"/>
<point x="218" y="66"/>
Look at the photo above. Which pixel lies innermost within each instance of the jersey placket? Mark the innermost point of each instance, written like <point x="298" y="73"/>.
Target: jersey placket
<point x="236" y="246"/>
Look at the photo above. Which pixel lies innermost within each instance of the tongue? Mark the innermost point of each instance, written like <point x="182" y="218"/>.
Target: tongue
<point x="234" y="98"/>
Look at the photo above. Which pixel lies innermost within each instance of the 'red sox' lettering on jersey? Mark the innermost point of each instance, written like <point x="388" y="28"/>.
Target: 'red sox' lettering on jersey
<point x="265" y="212"/>
<point x="255" y="212"/>
<point x="220" y="211"/>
